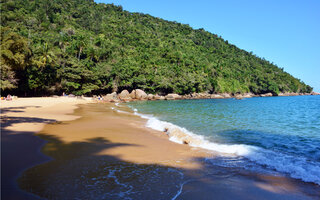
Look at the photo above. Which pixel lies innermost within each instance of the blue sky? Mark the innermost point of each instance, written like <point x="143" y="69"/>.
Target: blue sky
<point x="285" y="32"/>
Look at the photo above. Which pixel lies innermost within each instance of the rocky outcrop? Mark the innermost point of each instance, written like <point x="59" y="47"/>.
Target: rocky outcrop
<point x="132" y="95"/>
<point x="111" y="97"/>
<point x="173" y="97"/>
<point x="150" y="97"/>
<point x="290" y="94"/>
<point x="187" y="96"/>
<point x="248" y="95"/>
<point x="244" y="95"/>
<point x="216" y="96"/>
<point x="266" y="95"/>
<point x="158" y="97"/>
<point x="204" y="95"/>
<point x="226" y="95"/>
<point x="124" y="95"/>
<point x="141" y="95"/>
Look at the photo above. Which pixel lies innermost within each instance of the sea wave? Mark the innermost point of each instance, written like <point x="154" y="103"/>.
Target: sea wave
<point x="295" y="166"/>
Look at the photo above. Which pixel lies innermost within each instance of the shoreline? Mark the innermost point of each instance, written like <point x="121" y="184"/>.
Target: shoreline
<point x="105" y="136"/>
<point x="140" y="95"/>
<point x="21" y="119"/>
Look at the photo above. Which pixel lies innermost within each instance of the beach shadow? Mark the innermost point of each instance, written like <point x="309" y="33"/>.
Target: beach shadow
<point x="77" y="171"/>
<point x="16" y="109"/>
<point x="9" y="121"/>
<point x="19" y="149"/>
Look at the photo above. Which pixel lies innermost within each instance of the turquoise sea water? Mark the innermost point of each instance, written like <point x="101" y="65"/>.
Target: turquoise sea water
<point x="271" y="134"/>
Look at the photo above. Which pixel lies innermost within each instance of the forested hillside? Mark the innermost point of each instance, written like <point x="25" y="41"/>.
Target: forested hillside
<point x="81" y="47"/>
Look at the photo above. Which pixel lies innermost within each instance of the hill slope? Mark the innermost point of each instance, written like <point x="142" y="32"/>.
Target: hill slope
<point x="80" y="47"/>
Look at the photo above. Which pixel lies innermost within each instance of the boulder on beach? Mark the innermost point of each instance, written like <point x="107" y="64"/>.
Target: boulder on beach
<point x="133" y="94"/>
<point x="140" y="94"/>
<point x="111" y="97"/>
<point x="124" y="95"/>
<point x="182" y="137"/>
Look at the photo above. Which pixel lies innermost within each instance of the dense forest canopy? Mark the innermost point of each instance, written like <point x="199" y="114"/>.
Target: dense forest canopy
<point x="81" y="47"/>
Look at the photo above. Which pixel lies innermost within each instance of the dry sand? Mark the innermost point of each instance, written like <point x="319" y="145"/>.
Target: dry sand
<point x="116" y="155"/>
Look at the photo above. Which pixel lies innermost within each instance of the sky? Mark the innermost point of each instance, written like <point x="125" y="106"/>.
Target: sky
<point x="285" y="32"/>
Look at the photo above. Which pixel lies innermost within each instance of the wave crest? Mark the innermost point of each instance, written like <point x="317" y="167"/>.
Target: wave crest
<point x="295" y="166"/>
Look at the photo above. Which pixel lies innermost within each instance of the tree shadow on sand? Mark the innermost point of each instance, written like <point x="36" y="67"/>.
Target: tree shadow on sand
<point x="19" y="149"/>
<point x="9" y="121"/>
<point x="16" y="109"/>
<point x="77" y="171"/>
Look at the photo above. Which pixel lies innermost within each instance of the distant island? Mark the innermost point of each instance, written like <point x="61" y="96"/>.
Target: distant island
<point x="84" y="48"/>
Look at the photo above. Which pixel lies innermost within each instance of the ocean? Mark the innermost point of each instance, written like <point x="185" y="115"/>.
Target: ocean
<point x="271" y="135"/>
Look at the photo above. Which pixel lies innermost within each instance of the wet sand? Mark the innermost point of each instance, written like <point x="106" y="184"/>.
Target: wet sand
<point x="107" y="154"/>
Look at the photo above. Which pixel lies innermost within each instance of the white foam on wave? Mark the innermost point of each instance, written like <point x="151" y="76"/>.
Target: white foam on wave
<point x="121" y="111"/>
<point x="297" y="167"/>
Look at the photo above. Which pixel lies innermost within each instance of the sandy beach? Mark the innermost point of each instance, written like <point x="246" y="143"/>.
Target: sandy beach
<point x="93" y="151"/>
<point x="20" y="149"/>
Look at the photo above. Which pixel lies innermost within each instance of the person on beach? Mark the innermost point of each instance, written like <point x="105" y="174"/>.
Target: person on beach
<point x="9" y="98"/>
